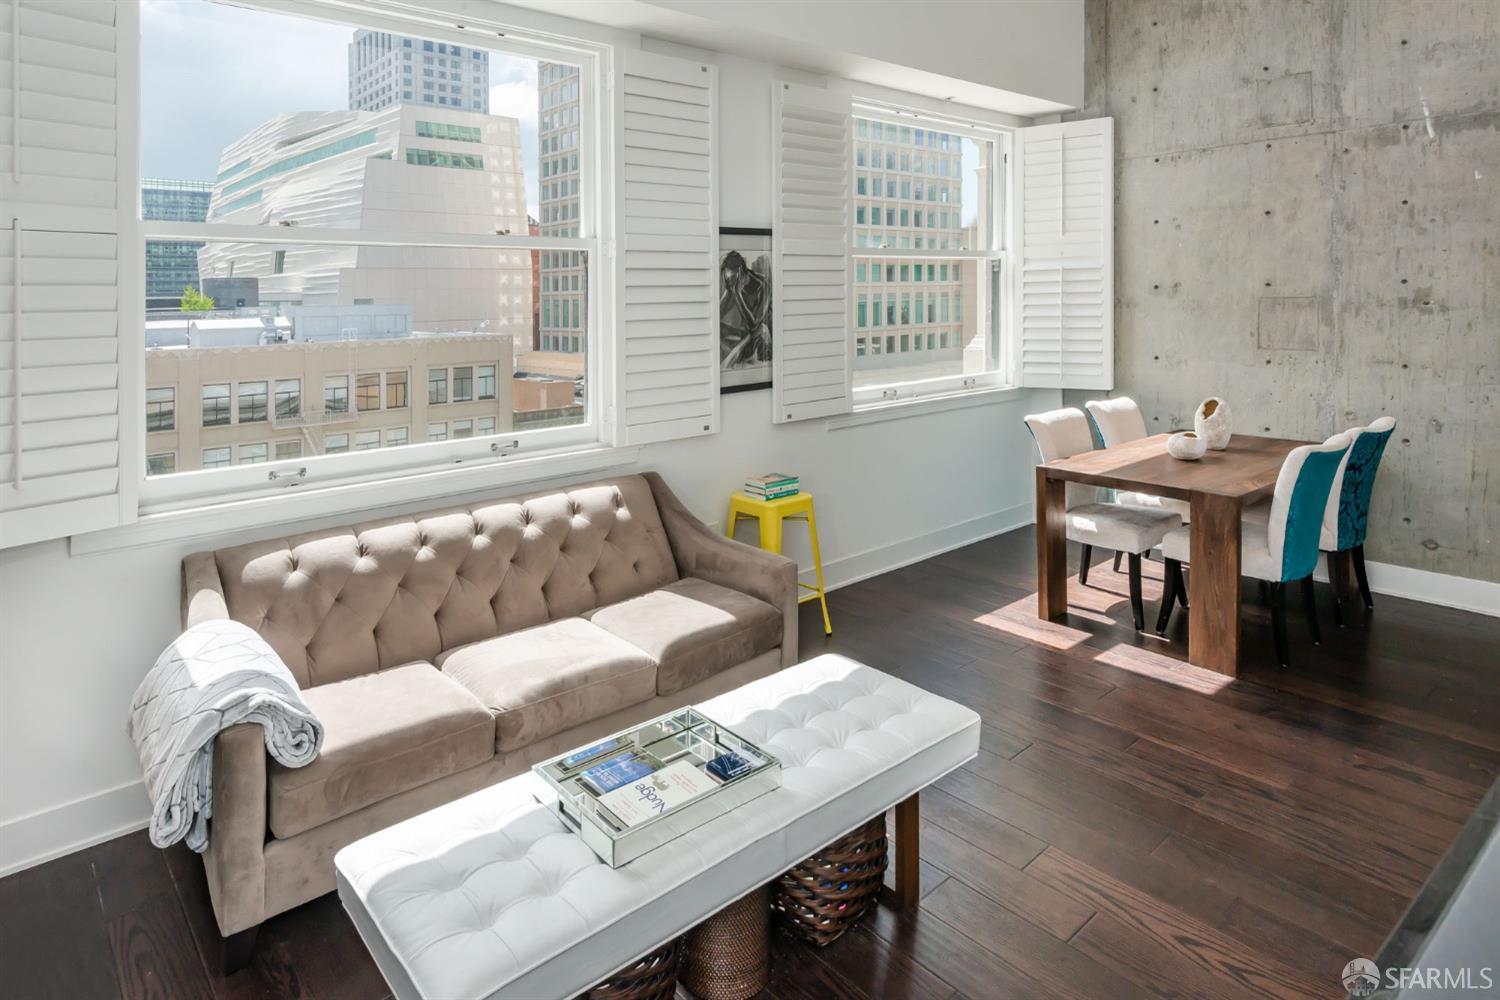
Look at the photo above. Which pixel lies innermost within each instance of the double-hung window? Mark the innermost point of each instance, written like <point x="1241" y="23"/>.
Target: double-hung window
<point x="294" y="287"/>
<point x="927" y="258"/>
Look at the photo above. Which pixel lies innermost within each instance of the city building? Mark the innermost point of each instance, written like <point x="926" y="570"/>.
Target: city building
<point x="386" y="70"/>
<point x="408" y="168"/>
<point x="563" y="276"/>
<point x="171" y="265"/>
<point x="319" y="380"/>
<point x="913" y="317"/>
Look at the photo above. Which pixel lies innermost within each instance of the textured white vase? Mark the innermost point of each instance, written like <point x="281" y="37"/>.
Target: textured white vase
<point x="1211" y="423"/>
<point x="1186" y="445"/>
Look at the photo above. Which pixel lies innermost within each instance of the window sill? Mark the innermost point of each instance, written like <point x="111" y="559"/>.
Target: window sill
<point x="358" y="500"/>
<point x="921" y="406"/>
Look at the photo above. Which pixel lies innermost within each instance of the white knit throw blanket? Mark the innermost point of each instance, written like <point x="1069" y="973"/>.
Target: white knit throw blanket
<point x="215" y="675"/>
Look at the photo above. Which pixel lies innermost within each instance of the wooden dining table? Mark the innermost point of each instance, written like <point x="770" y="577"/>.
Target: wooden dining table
<point x="1217" y="487"/>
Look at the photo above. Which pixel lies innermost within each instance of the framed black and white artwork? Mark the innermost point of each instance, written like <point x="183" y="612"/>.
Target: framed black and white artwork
<point x="744" y="309"/>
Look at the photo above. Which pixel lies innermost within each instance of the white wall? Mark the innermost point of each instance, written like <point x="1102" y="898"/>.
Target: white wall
<point x="1030" y="47"/>
<point x="78" y="632"/>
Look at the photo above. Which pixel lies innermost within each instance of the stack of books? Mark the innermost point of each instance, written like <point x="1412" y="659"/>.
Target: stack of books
<point x="773" y="486"/>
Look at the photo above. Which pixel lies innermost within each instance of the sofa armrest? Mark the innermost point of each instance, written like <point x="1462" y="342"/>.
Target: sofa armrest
<point x="702" y="553"/>
<point x="202" y="590"/>
<point x="236" y="857"/>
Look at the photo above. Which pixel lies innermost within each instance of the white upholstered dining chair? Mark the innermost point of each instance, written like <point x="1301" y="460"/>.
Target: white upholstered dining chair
<point x="1119" y="420"/>
<point x="1122" y="527"/>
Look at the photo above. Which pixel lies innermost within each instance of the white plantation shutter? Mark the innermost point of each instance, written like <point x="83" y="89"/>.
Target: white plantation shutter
<point x="62" y="176"/>
<point x="1064" y="297"/>
<point x="811" y="367"/>
<point x="60" y="197"/>
<point x="668" y="353"/>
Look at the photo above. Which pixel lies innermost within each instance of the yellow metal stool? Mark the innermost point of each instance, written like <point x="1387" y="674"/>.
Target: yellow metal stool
<point x="770" y="514"/>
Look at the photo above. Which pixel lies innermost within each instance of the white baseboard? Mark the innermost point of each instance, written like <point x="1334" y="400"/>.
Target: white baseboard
<point x="30" y="840"/>
<point x="894" y="555"/>
<point x="1480" y="596"/>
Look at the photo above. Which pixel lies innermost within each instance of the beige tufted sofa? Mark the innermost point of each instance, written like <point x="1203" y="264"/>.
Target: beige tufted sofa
<point x="447" y="651"/>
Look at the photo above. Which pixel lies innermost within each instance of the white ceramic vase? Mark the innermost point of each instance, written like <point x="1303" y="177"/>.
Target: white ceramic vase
<point x="1186" y="446"/>
<point x="1211" y="423"/>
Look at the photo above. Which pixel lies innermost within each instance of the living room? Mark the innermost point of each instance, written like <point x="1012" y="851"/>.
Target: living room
<point x="1011" y="309"/>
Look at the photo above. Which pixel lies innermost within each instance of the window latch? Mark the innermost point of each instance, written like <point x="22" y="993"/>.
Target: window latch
<point x="504" y="447"/>
<point x="296" y="474"/>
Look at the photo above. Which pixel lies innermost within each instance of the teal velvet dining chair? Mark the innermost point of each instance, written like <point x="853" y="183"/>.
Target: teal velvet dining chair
<point x="1281" y="549"/>
<point x="1347" y="516"/>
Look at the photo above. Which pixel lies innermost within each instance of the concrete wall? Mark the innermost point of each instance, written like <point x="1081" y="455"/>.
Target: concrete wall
<point x="1307" y="223"/>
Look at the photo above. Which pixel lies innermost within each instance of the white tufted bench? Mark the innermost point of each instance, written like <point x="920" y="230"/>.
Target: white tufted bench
<point x="492" y="896"/>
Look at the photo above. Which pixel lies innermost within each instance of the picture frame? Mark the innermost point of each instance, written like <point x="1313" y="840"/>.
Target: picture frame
<point x="745" y="290"/>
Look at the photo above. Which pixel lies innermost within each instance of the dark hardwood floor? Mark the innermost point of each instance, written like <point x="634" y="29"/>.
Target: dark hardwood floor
<point x="1132" y="826"/>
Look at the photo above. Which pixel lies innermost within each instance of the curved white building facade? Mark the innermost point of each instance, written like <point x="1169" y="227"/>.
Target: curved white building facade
<point x="406" y="169"/>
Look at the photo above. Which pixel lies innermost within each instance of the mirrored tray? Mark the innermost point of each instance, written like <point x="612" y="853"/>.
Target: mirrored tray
<point x="645" y="786"/>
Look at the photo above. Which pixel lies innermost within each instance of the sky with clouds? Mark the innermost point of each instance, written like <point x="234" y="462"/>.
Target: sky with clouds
<point x="210" y="73"/>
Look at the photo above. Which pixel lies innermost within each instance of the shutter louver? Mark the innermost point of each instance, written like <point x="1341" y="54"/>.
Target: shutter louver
<point x="668" y="352"/>
<point x="63" y="176"/>
<point x="59" y="271"/>
<point x="1065" y="256"/>
<point x="811" y="365"/>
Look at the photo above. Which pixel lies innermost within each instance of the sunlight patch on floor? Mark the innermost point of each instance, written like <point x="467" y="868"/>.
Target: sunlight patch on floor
<point x="1164" y="668"/>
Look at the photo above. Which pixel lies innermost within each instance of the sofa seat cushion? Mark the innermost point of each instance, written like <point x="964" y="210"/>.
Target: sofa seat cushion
<point x="384" y="733"/>
<point x="693" y="629"/>
<point x="543" y="680"/>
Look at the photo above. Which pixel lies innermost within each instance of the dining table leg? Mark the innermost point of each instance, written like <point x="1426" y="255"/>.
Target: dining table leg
<point x="1051" y="547"/>
<point x="1214" y="583"/>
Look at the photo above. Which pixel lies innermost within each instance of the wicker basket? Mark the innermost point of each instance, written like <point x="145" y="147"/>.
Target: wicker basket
<point x="825" y="895"/>
<point x="654" y="977"/>
<point x="728" y="956"/>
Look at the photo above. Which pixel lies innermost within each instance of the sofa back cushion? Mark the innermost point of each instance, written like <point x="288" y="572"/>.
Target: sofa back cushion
<point x="347" y="601"/>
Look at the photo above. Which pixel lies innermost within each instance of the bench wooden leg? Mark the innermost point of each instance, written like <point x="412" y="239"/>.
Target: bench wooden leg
<point x="908" y="875"/>
<point x="239" y="949"/>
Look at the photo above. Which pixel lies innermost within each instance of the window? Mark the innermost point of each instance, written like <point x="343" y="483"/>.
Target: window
<point x="463" y="429"/>
<point x="161" y="410"/>
<point x="395" y="436"/>
<point x="366" y="440"/>
<point x="367" y="391"/>
<point x="216" y="405"/>
<point x="215" y="458"/>
<point x="252" y="402"/>
<point x="288" y="398"/>
<point x="253" y="454"/>
<point x="355" y="325"/>
<point x="395" y="390"/>
<point x="162" y="464"/>
<point x="486" y="425"/>
<point x="929" y="276"/>
<point x="291" y="448"/>
<point x="335" y="395"/>
<point x="437" y="431"/>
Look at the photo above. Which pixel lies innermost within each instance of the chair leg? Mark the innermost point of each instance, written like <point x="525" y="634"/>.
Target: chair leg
<point x="1337" y="582"/>
<point x="1263" y="587"/>
<point x="1278" y="621"/>
<point x="1310" y="605"/>
<point x="1169" y="579"/>
<point x="1117" y="561"/>
<point x="1136" y="610"/>
<point x="1358" y="554"/>
<point x="1182" y="590"/>
<point x="1083" y="565"/>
